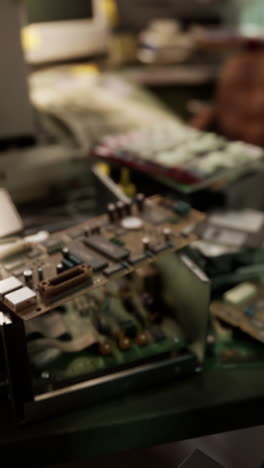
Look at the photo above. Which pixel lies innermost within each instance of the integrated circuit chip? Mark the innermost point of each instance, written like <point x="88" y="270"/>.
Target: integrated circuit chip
<point x="88" y="256"/>
<point x="137" y="258"/>
<point x="111" y="270"/>
<point x="160" y="247"/>
<point x="53" y="246"/>
<point x="110" y="250"/>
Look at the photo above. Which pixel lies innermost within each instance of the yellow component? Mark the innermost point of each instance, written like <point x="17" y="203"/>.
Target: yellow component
<point x="103" y="168"/>
<point x="111" y="11"/>
<point x="85" y="69"/>
<point x="125" y="183"/>
<point x="30" y="38"/>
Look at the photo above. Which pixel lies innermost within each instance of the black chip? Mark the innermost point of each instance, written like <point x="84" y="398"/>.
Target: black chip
<point x="53" y="246"/>
<point x="137" y="258"/>
<point x="111" y="270"/>
<point x="159" y="248"/>
<point x="88" y="256"/>
<point x="107" y="248"/>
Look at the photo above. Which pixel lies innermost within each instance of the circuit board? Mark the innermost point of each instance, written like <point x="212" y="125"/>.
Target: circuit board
<point x="127" y="341"/>
<point x="181" y="154"/>
<point x="86" y="256"/>
<point x="230" y="348"/>
<point x="248" y="316"/>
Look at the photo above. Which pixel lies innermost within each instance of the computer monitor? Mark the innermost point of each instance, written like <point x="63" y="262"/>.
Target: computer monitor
<point x="63" y="30"/>
<point x="16" y="113"/>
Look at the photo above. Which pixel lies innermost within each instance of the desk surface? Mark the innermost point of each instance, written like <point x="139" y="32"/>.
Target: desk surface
<point x="212" y="402"/>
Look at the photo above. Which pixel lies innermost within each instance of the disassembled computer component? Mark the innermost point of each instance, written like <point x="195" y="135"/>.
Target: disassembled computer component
<point x="232" y="230"/>
<point x="103" y="305"/>
<point x="243" y="307"/>
<point x="228" y="347"/>
<point x="180" y="153"/>
<point x="83" y="257"/>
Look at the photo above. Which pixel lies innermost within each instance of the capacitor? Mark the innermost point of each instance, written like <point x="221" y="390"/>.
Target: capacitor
<point x="140" y="199"/>
<point x="65" y="252"/>
<point x="40" y="274"/>
<point x="146" y="243"/>
<point x="167" y="234"/>
<point x="111" y="210"/>
<point x="105" y="348"/>
<point x="67" y="264"/>
<point x="59" y="268"/>
<point x="120" y="206"/>
<point x="74" y="260"/>
<point x="128" y="207"/>
<point x="28" y="276"/>
<point x="142" y="339"/>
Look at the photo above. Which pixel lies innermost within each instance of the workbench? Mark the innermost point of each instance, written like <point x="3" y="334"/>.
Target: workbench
<point x="210" y="402"/>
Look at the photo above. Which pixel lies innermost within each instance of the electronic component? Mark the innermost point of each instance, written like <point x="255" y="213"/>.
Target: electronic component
<point x="106" y="248"/>
<point x="59" y="268"/>
<point x="111" y="270"/>
<point x="111" y="210"/>
<point x="243" y="307"/>
<point x="65" y="281"/>
<point x="240" y="229"/>
<point x="115" y="249"/>
<point x="240" y="294"/>
<point x="160" y="247"/>
<point x="53" y="246"/>
<point x="88" y="256"/>
<point x="181" y="208"/>
<point x="140" y="199"/>
<point x="179" y="154"/>
<point x="74" y="260"/>
<point x="120" y="206"/>
<point x="146" y="243"/>
<point x="28" y="276"/>
<point x="137" y="258"/>
<point x="67" y="264"/>
<point x="65" y="252"/>
<point x="20" y="299"/>
<point x="127" y="325"/>
<point x="167" y="234"/>
<point x="40" y="274"/>
<point x="128" y="207"/>
<point x="8" y="285"/>
<point x="132" y="223"/>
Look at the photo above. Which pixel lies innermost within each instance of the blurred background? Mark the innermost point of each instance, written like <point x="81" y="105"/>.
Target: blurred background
<point x="157" y="96"/>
